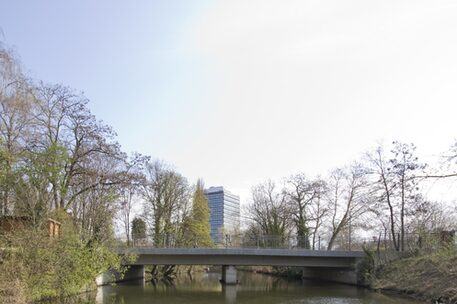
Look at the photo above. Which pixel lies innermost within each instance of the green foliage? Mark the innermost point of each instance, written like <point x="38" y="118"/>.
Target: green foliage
<point x="7" y="177"/>
<point x="365" y="267"/>
<point x="138" y="229"/>
<point x="3" y="161"/>
<point x="49" y="163"/>
<point x="200" y="209"/>
<point x="54" y="156"/>
<point x="3" y="166"/>
<point x="49" y="267"/>
<point x="196" y="227"/>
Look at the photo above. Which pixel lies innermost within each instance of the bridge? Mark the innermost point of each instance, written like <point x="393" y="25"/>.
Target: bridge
<point x="336" y="266"/>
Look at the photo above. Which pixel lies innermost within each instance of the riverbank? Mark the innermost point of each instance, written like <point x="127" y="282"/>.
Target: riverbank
<point x="427" y="277"/>
<point x="35" y="267"/>
<point x="431" y="278"/>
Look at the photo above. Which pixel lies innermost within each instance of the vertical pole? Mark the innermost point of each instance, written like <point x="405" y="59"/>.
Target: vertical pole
<point x="319" y="243"/>
<point x="227" y="240"/>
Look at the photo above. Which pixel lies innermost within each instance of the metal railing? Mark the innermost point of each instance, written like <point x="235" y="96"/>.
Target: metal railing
<point x="412" y="242"/>
<point x="224" y="241"/>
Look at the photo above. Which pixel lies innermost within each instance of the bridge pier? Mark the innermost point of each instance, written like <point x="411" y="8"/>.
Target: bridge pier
<point x="345" y="276"/>
<point x="229" y="275"/>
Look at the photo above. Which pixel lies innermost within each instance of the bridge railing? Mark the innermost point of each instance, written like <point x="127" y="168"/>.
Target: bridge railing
<point x="224" y="241"/>
<point x="412" y="242"/>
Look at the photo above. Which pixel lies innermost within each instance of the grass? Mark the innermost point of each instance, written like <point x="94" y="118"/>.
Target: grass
<point x="429" y="276"/>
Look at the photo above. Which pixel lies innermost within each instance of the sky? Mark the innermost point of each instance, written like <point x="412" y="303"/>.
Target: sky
<point x="239" y="91"/>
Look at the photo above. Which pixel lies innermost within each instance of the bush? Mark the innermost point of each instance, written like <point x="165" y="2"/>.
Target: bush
<point x="47" y="267"/>
<point x="365" y="268"/>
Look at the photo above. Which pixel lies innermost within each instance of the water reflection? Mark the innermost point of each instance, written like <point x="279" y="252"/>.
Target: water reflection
<point x="253" y="288"/>
<point x="229" y="292"/>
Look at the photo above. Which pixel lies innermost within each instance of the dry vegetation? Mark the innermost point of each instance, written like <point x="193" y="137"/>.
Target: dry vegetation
<point x="430" y="277"/>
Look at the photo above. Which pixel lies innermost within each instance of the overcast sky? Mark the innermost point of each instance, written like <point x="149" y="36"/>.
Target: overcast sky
<point x="236" y="92"/>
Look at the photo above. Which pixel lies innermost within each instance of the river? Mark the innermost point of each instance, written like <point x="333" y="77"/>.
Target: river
<point x="253" y="288"/>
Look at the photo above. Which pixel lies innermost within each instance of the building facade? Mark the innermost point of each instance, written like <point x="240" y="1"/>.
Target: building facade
<point x="225" y="213"/>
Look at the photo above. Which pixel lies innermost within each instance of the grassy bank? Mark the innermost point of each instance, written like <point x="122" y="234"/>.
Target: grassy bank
<point x="431" y="277"/>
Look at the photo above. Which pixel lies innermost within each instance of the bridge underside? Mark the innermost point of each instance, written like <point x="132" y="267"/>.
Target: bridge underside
<point x="245" y="261"/>
<point x="325" y="265"/>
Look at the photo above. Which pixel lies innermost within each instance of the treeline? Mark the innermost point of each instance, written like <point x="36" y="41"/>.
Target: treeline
<point x="54" y="154"/>
<point x="377" y="199"/>
<point x="57" y="160"/>
<point x="173" y="212"/>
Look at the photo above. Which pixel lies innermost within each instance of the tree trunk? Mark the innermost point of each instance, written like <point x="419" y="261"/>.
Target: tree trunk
<point x="391" y="211"/>
<point x="402" y="215"/>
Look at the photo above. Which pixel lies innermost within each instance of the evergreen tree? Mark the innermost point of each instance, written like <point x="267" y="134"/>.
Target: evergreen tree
<point x="138" y="229"/>
<point x="196" y="227"/>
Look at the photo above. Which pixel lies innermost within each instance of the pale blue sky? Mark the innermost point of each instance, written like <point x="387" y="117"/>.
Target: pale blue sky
<point x="239" y="91"/>
<point x="128" y="59"/>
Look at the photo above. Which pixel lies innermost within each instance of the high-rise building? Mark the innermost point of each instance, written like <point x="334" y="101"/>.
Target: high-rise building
<point x="225" y="212"/>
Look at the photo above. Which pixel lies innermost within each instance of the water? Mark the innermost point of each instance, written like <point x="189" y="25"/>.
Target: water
<point x="253" y="288"/>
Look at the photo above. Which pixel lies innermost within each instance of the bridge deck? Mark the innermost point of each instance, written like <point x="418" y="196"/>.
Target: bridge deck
<point x="244" y="257"/>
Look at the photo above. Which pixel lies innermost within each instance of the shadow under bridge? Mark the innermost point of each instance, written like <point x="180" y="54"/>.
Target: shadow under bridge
<point x="336" y="266"/>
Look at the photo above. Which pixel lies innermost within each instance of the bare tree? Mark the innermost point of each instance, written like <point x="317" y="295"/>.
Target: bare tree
<point x="303" y="197"/>
<point x="71" y="138"/>
<point x="165" y="193"/>
<point x="396" y="186"/>
<point x="126" y="206"/>
<point x="348" y="198"/>
<point x="268" y="211"/>
<point x="130" y="192"/>
<point x="431" y="216"/>
<point x="318" y="212"/>
<point x="15" y="104"/>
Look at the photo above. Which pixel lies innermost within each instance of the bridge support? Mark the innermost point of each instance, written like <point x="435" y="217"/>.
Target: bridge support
<point x="345" y="276"/>
<point x="229" y="275"/>
<point x="134" y="272"/>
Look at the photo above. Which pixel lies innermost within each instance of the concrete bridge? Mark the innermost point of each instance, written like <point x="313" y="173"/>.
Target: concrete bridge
<point x="336" y="266"/>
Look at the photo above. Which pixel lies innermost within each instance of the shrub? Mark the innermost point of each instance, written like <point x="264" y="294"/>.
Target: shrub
<point x="47" y="267"/>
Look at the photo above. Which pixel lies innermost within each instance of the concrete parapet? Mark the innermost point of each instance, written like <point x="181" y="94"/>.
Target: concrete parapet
<point x="244" y="257"/>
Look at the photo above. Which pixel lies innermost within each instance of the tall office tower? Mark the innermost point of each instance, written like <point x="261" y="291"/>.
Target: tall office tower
<point x="225" y="212"/>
